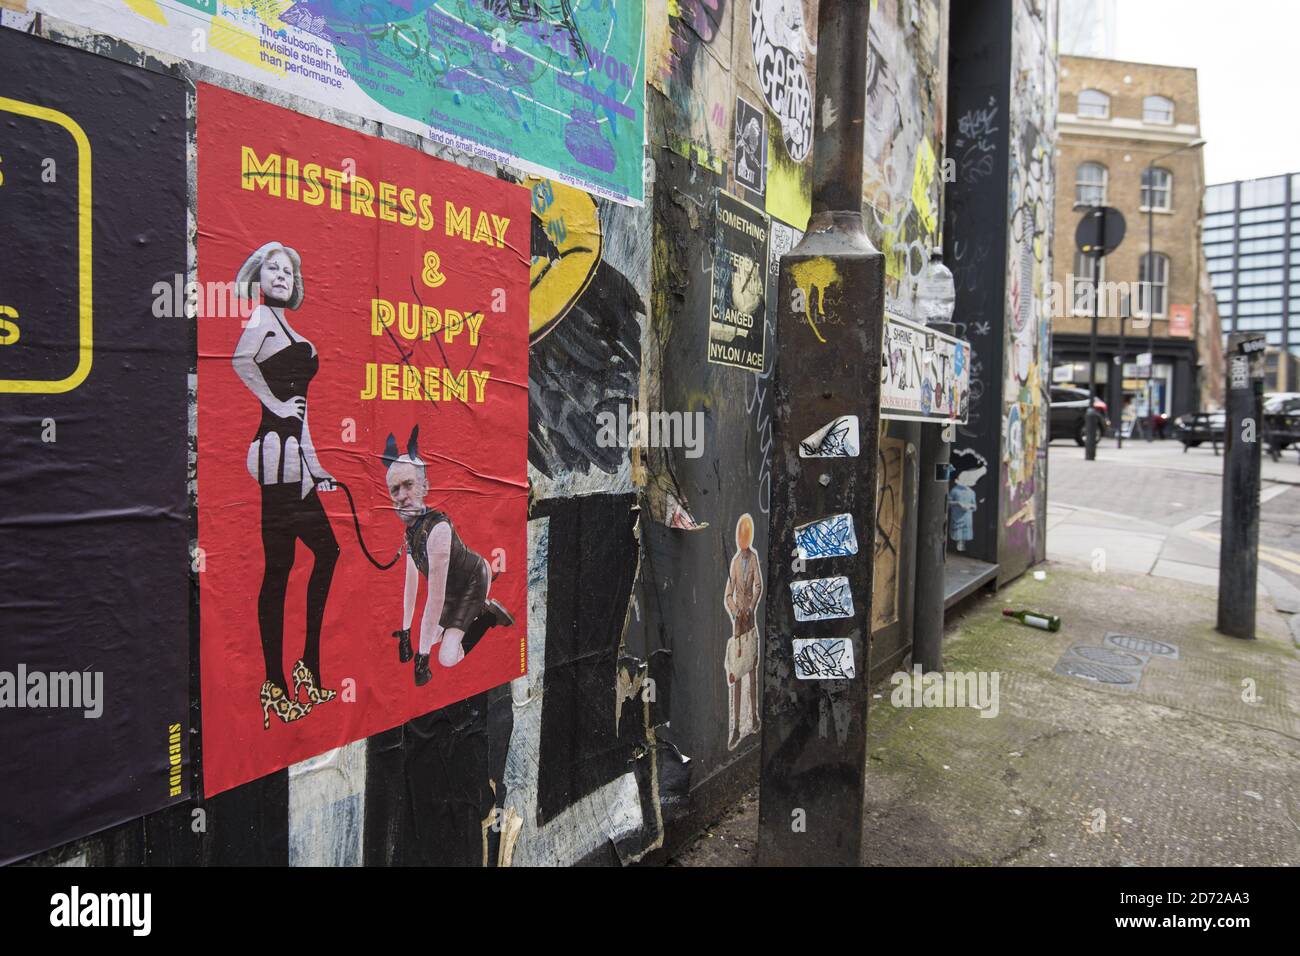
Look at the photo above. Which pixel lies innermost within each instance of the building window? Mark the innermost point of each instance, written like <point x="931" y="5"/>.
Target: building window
<point x="1263" y="192"/>
<point x="1094" y="104"/>
<point x="1157" y="109"/>
<point x="1153" y="285"/>
<point x="1220" y="198"/>
<point x="1157" y="188"/>
<point x="1083" y="281"/>
<point x="1090" y="185"/>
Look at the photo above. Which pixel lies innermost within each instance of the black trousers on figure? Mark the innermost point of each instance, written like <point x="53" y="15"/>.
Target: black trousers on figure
<point x="287" y="518"/>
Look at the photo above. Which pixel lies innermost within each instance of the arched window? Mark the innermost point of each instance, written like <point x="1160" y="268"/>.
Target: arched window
<point x="1157" y="109"/>
<point x="1094" y="103"/>
<point x="1090" y="185"/>
<point x="1157" y="188"/>
<point x="1153" y="285"/>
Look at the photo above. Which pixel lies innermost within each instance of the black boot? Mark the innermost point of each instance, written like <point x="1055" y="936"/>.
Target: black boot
<point x="403" y="644"/>
<point x="502" y="616"/>
<point x="492" y="615"/>
<point x="422" y="674"/>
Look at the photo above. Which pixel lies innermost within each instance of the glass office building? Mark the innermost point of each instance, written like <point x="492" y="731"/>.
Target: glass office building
<point x="1252" y="245"/>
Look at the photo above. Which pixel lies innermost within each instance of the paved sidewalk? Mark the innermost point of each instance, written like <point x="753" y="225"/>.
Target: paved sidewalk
<point x="1196" y="762"/>
<point x="1110" y="542"/>
<point x="1169" y="455"/>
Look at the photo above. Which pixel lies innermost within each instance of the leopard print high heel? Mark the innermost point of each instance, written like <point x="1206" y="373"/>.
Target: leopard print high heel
<point x="275" y="699"/>
<point x="302" y="676"/>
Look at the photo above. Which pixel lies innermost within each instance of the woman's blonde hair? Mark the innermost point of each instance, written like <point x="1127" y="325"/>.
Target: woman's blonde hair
<point x="250" y="273"/>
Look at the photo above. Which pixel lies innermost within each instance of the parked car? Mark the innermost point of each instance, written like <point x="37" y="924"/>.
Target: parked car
<point x="1069" y="406"/>
<point x="1282" y="420"/>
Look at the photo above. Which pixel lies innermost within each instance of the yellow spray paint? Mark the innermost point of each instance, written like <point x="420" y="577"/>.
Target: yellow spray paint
<point x="815" y="275"/>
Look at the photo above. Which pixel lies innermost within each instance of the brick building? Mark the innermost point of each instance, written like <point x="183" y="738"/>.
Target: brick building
<point x="1129" y="138"/>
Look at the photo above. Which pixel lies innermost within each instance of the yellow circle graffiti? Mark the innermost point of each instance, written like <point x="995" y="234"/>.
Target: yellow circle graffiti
<point x="566" y="247"/>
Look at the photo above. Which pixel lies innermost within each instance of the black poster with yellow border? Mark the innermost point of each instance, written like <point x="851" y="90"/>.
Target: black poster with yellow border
<point x="94" y="527"/>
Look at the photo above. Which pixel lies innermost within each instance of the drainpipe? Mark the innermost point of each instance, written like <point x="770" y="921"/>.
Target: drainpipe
<point x="826" y="382"/>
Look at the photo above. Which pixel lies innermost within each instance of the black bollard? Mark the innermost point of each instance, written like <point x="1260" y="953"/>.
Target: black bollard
<point x="1239" y="528"/>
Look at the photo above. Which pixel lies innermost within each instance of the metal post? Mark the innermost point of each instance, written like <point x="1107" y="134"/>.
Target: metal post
<point x="1239" y="527"/>
<point x="830" y="314"/>
<point x="931" y="541"/>
<point x="1151" y="322"/>
<point x="1091" y="415"/>
<point x="1119" y="432"/>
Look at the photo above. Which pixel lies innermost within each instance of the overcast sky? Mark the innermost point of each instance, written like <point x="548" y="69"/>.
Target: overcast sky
<point x="1247" y="57"/>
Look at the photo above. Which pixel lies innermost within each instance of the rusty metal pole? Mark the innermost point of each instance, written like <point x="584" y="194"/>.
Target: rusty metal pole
<point x="830" y="315"/>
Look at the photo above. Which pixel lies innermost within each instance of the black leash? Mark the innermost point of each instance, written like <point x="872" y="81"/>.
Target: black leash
<point x="356" y="522"/>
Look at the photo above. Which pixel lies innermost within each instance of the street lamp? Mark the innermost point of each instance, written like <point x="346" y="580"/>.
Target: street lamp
<point x="1148" y="178"/>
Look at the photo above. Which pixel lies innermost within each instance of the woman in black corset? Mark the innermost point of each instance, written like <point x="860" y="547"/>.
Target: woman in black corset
<point x="277" y="365"/>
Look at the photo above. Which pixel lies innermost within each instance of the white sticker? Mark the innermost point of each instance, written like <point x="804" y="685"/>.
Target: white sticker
<point x="1240" y="372"/>
<point x="839" y="439"/>
<point x="823" y="658"/>
<point x="821" y="599"/>
<point x="831" y="537"/>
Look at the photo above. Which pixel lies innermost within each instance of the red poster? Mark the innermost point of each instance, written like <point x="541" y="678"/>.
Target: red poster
<point x="1180" y="321"/>
<point x="363" y="377"/>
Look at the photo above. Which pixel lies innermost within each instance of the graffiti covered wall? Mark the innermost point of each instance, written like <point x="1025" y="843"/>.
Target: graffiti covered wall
<point x="1027" y="346"/>
<point x="605" y="188"/>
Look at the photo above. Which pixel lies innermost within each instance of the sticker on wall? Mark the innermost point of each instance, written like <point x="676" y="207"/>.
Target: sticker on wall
<point x="780" y="48"/>
<point x="367" y="403"/>
<point x="823" y="658"/>
<point x="837" y="439"/>
<point x="94" y="367"/>
<point x="738" y="293"/>
<point x="743" y="655"/>
<point x="831" y="537"/>
<point x="821" y="599"/>
<point x="553" y="88"/>
<point x="751" y="146"/>
<point x="924" y="374"/>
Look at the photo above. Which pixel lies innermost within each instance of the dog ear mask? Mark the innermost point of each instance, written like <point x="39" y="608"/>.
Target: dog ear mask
<point x="390" y="452"/>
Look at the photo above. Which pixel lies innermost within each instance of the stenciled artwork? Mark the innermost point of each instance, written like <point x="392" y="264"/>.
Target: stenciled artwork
<point x="94" y="529"/>
<point x="554" y="87"/>
<point x="739" y="287"/>
<point x="362" y="435"/>
<point x="965" y="469"/>
<point x="743" y="655"/>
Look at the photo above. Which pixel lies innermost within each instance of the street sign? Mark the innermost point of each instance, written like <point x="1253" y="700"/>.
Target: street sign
<point x="924" y="374"/>
<point x="1063" y="373"/>
<point x="1100" y="231"/>
<point x="1144" y="358"/>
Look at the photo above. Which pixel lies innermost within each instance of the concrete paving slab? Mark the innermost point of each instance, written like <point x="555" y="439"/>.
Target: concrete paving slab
<point x="1124" y="550"/>
<point x="1183" y="571"/>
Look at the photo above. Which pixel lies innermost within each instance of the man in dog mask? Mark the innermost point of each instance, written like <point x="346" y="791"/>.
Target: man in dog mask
<point x="457" y="609"/>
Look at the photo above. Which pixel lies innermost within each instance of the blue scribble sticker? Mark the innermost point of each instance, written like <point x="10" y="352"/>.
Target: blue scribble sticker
<point x="831" y="537"/>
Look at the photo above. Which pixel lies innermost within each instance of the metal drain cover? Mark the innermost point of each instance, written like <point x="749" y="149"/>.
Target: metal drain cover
<point x="1143" y="645"/>
<point x="1101" y="673"/>
<point x="1106" y="655"/>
